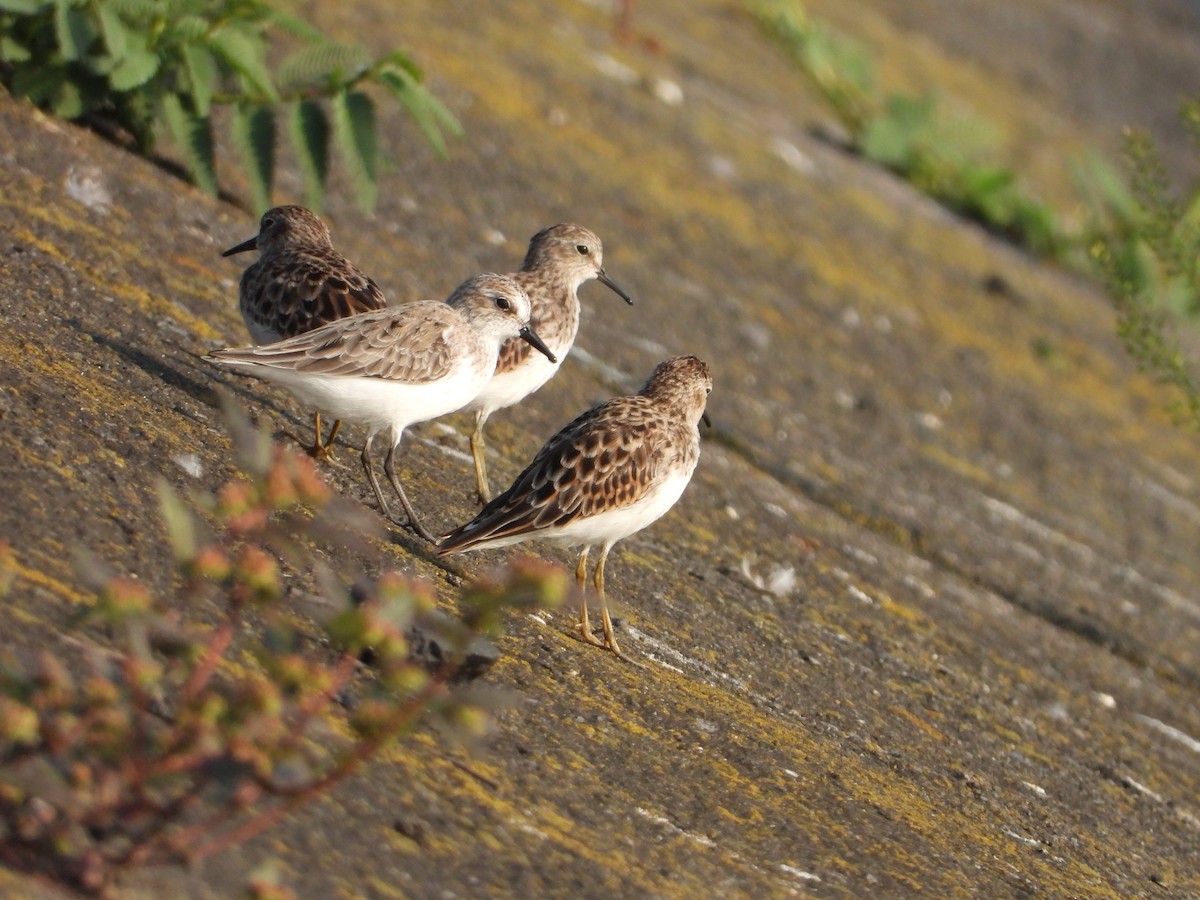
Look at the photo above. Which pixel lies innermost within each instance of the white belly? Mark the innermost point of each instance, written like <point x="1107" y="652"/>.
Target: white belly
<point x="505" y="389"/>
<point x="610" y="526"/>
<point x="379" y="403"/>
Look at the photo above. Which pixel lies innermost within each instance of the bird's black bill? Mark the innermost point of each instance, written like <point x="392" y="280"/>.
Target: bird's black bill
<point x="528" y="334"/>
<point x="614" y="287"/>
<point x="251" y="244"/>
<point x="705" y="419"/>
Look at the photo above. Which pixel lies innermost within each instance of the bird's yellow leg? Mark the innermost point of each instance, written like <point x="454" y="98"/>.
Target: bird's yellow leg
<point x="324" y="451"/>
<point x="610" y="637"/>
<point x="478" y="448"/>
<point x="585" y="628"/>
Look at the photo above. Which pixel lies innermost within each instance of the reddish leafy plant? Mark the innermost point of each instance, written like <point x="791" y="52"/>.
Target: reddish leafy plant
<point x="159" y="748"/>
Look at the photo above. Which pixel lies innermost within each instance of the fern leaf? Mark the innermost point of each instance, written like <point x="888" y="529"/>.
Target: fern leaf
<point x="68" y="101"/>
<point x="310" y="134"/>
<point x="201" y="68"/>
<point x="358" y="140"/>
<point x="113" y="29"/>
<point x="400" y="60"/>
<point x="187" y="30"/>
<point x="244" y="52"/>
<point x="292" y="25"/>
<point x="74" y="29"/>
<point x="136" y="12"/>
<point x="336" y="64"/>
<point x="431" y="116"/>
<point x="193" y="135"/>
<point x="38" y="83"/>
<point x="21" y="7"/>
<point x="253" y="132"/>
<point x="136" y="67"/>
<point x="11" y="51"/>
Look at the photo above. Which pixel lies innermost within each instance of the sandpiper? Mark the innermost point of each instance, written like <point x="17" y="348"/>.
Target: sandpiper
<point x="389" y="368"/>
<point x="298" y="283"/>
<point x="560" y="259"/>
<point x="608" y="474"/>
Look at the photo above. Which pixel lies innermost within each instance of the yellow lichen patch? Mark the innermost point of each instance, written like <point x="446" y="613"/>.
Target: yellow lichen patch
<point x="919" y="722"/>
<point x="56" y="587"/>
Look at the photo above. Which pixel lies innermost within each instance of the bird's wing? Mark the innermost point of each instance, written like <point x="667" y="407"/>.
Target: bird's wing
<point x="597" y="462"/>
<point x="410" y="344"/>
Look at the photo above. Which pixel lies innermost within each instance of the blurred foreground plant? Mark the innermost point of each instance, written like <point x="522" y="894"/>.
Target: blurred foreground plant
<point x="139" y="63"/>
<point x="940" y="157"/>
<point x="1152" y="267"/>
<point x="164" y="749"/>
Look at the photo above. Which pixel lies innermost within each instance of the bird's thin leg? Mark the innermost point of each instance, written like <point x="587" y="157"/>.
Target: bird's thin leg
<point x="585" y="628"/>
<point x="477" y="451"/>
<point x="610" y="638"/>
<point x="324" y="451"/>
<point x="389" y="466"/>
<point x="370" y="470"/>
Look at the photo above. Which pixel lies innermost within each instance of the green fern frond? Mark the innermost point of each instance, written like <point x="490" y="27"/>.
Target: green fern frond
<point x="194" y="137"/>
<point x="325" y="63"/>
<point x="294" y="26"/>
<point x="150" y="65"/>
<point x="243" y="51"/>
<point x="75" y="30"/>
<point x="113" y="29"/>
<point x="310" y="133"/>
<point x="202" y="70"/>
<point x="431" y="116"/>
<point x="357" y="138"/>
<point x="21" y="7"/>
<point x="253" y="132"/>
<point x="13" y="51"/>
<point x="401" y="60"/>
<point x="136" y="67"/>
<point x="188" y="30"/>
<point x="138" y="12"/>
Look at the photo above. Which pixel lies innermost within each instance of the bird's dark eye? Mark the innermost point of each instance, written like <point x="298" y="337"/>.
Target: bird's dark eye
<point x="267" y="222"/>
<point x="583" y="249"/>
<point x="502" y="303"/>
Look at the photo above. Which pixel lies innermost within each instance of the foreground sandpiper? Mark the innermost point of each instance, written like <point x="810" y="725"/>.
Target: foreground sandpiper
<point x="560" y="259"/>
<point x="298" y="283"/>
<point x="608" y="474"/>
<point x="390" y="368"/>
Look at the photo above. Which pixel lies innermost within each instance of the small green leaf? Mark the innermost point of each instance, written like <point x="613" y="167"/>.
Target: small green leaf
<point x="400" y="60"/>
<point x="38" y="83"/>
<point x="294" y="26"/>
<point x="68" y="101"/>
<point x="431" y="116"/>
<point x="253" y="131"/>
<point x="13" y="52"/>
<point x="193" y="135"/>
<point x="113" y="29"/>
<point x="244" y="52"/>
<point x="325" y="63"/>
<point x="358" y="140"/>
<point x="75" y="30"/>
<point x="188" y="29"/>
<point x="137" y="66"/>
<point x="22" y="7"/>
<point x="181" y="525"/>
<point x="309" y="130"/>
<point x="201" y="68"/>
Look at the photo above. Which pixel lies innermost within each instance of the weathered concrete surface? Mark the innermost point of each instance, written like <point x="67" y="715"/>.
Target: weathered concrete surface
<point x="985" y="680"/>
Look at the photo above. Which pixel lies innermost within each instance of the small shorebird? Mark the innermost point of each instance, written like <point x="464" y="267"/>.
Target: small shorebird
<point x="390" y="368"/>
<point x="560" y="259"/>
<point x="298" y="283"/>
<point x="608" y="474"/>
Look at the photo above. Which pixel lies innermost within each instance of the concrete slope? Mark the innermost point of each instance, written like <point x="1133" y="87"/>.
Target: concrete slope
<point x="927" y="620"/>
